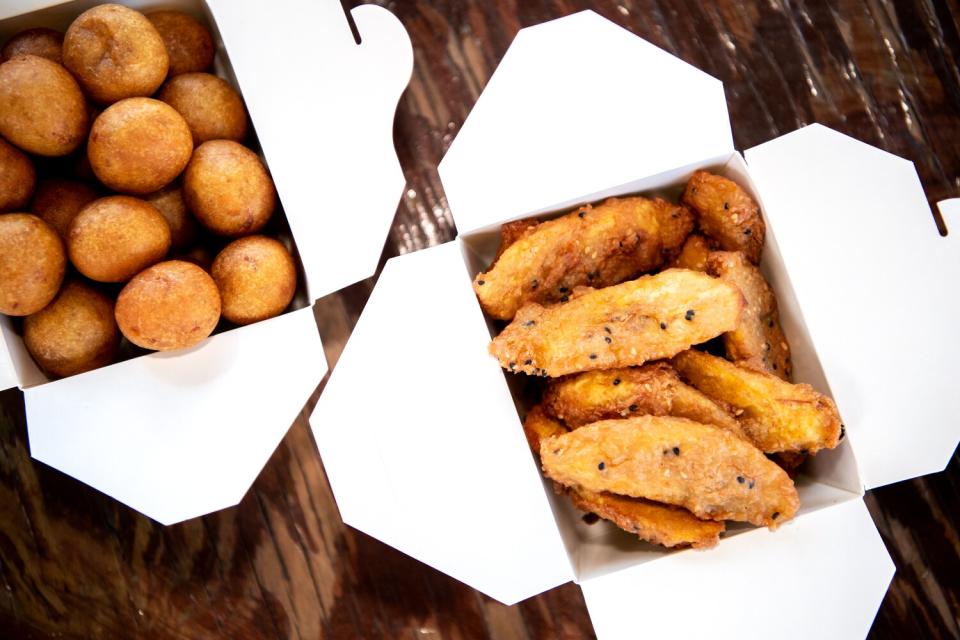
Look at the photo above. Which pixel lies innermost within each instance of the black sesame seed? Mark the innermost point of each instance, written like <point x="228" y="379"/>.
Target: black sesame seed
<point x="608" y="339"/>
<point x="481" y="282"/>
<point x="593" y="356"/>
<point x="774" y="366"/>
<point x="663" y="325"/>
<point x="601" y="466"/>
<point x="590" y="275"/>
<point x="529" y="323"/>
<point x="740" y="479"/>
<point x="633" y="407"/>
<point x="689" y="315"/>
<point x="565" y="299"/>
<point x="607" y="329"/>
<point x="528" y="362"/>
<point x="676" y="451"/>
<point x="766" y="346"/>
<point x="747" y="231"/>
<point x="616" y="381"/>
<point x="543" y="372"/>
<point x="843" y="431"/>
<point x="582" y="214"/>
<point x="535" y="284"/>
<point x="564" y="290"/>
<point x="776" y="514"/>
<point x="770" y="323"/>
<point x="675" y="214"/>
<point x="726" y="205"/>
<point x="751" y="483"/>
<point x="513" y="365"/>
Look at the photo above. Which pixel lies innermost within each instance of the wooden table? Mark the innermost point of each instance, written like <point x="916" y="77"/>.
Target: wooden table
<point x="74" y="564"/>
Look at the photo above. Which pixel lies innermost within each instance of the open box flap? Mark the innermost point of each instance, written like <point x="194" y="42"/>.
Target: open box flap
<point x="877" y="287"/>
<point x="577" y="105"/>
<point x="325" y="123"/>
<point x="180" y="434"/>
<point x="821" y="576"/>
<point x="422" y="444"/>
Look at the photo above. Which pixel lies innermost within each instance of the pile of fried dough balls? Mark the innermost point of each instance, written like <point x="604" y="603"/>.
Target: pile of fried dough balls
<point x="115" y="142"/>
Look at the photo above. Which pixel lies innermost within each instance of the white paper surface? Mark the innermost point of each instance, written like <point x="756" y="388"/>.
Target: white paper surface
<point x="323" y="108"/>
<point x="820" y="577"/>
<point x="576" y="106"/>
<point x="877" y="286"/>
<point x="180" y="434"/>
<point x="421" y="440"/>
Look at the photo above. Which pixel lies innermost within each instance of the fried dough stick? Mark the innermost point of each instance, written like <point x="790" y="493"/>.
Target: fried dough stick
<point x="759" y="341"/>
<point x="726" y="213"/>
<point x="709" y="471"/>
<point x="776" y="415"/>
<point x="657" y="523"/>
<point x="653" y="389"/>
<point x="594" y="245"/>
<point x="649" y="318"/>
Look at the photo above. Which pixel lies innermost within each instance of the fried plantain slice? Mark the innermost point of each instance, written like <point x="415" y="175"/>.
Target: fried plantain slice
<point x="649" y="318"/>
<point x="651" y="521"/>
<point x="653" y="389"/>
<point x="759" y="341"/>
<point x="594" y="245"/>
<point x="703" y="468"/>
<point x="694" y="253"/>
<point x="726" y="213"/>
<point x="775" y="415"/>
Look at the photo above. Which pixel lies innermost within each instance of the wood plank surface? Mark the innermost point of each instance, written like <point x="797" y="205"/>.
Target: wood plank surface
<point x="74" y="564"/>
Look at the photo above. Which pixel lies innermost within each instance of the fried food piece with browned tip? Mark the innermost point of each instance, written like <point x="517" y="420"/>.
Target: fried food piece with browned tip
<point x="653" y="389"/>
<point x="776" y="415"/>
<point x="759" y="341"/>
<point x="694" y="253"/>
<point x="597" y="245"/>
<point x="649" y="318"/>
<point x="651" y="521"/>
<point x="726" y="213"/>
<point x="703" y="468"/>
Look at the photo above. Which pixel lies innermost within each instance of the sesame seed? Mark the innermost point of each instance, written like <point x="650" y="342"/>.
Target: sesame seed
<point x="607" y="339"/>
<point x="535" y="284"/>
<point x="689" y="315"/>
<point x="740" y="479"/>
<point x="601" y="466"/>
<point x="776" y="514"/>
<point x="565" y="298"/>
<point x="528" y="362"/>
<point x="770" y="323"/>
<point x="582" y="214"/>
<point x="750" y="484"/>
<point x="633" y="407"/>
<point x="529" y="323"/>
<point x="481" y="282"/>
<point x="843" y="431"/>
<point x="564" y="290"/>
<point x="616" y="381"/>
<point x="607" y="329"/>
<point x="726" y="206"/>
<point x="593" y="356"/>
<point x="747" y="231"/>
<point x="676" y="451"/>
<point x="513" y="366"/>
<point x="663" y="325"/>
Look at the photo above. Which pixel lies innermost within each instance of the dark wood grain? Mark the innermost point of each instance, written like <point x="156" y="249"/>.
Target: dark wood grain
<point x="74" y="564"/>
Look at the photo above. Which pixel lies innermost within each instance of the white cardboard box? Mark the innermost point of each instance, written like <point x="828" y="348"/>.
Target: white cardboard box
<point x="420" y="435"/>
<point x="176" y="435"/>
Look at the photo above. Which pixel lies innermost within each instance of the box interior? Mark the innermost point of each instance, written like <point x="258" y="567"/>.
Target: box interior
<point x="59" y="17"/>
<point x="829" y="478"/>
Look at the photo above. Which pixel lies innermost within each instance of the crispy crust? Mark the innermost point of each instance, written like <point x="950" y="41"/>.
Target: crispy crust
<point x="759" y="340"/>
<point x="651" y="521"/>
<point x="653" y="389"/>
<point x="694" y="254"/>
<point x="726" y="214"/>
<point x="707" y="470"/>
<point x="776" y="415"/>
<point x="649" y="318"/>
<point x="597" y="245"/>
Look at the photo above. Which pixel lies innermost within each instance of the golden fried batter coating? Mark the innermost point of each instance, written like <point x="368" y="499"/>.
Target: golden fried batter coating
<point x="649" y="318"/>
<point x="694" y="254"/>
<point x="726" y="214"/>
<point x="595" y="245"/>
<point x="32" y="264"/>
<point x="189" y="44"/>
<point x="510" y="232"/>
<point x="654" y="522"/>
<point x="653" y="389"/>
<point x="776" y="415"/>
<point x="17" y="177"/>
<point x="709" y="471"/>
<point x="759" y="341"/>
<point x="43" y="42"/>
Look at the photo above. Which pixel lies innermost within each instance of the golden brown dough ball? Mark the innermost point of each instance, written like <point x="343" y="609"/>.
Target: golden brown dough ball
<point x="46" y="43"/>
<point x="76" y="332"/>
<point x="171" y="305"/>
<point x="32" y="263"/>
<point x="256" y="277"/>
<point x="212" y="109"/>
<point x="57" y="202"/>
<point x="17" y="177"/>
<point x="227" y="188"/>
<point x="188" y="42"/>
<point x="115" y="53"/>
<point x="42" y="109"/>
<point x="139" y="145"/>
<point x="171" y="205"/>
<point x="114" y="238"/>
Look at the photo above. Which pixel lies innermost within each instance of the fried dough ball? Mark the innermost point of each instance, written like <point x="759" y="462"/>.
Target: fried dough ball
<point x="189" y="44"/>
<point x="256" y="277"/>
<point x="113" y="238"/>
<point x="74" y="333"/>
<point x="17" y="177"/>
<point x="42" y="109"/>
<point x="46" y="43"/>
<point x="171" y="305"/>
<point x="139" y="145"/>
<point x="228" y="189"/>
<point x="32" y="263"/>
<point x="212" y="109"/>
<point x="171" y="205"/>
<point x="115" y="53"/>
<point x="57" y="202"/>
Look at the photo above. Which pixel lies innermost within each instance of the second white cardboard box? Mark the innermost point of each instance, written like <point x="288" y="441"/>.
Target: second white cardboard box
<point x="176" y="435"/>
<point x="421" y="437"/>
